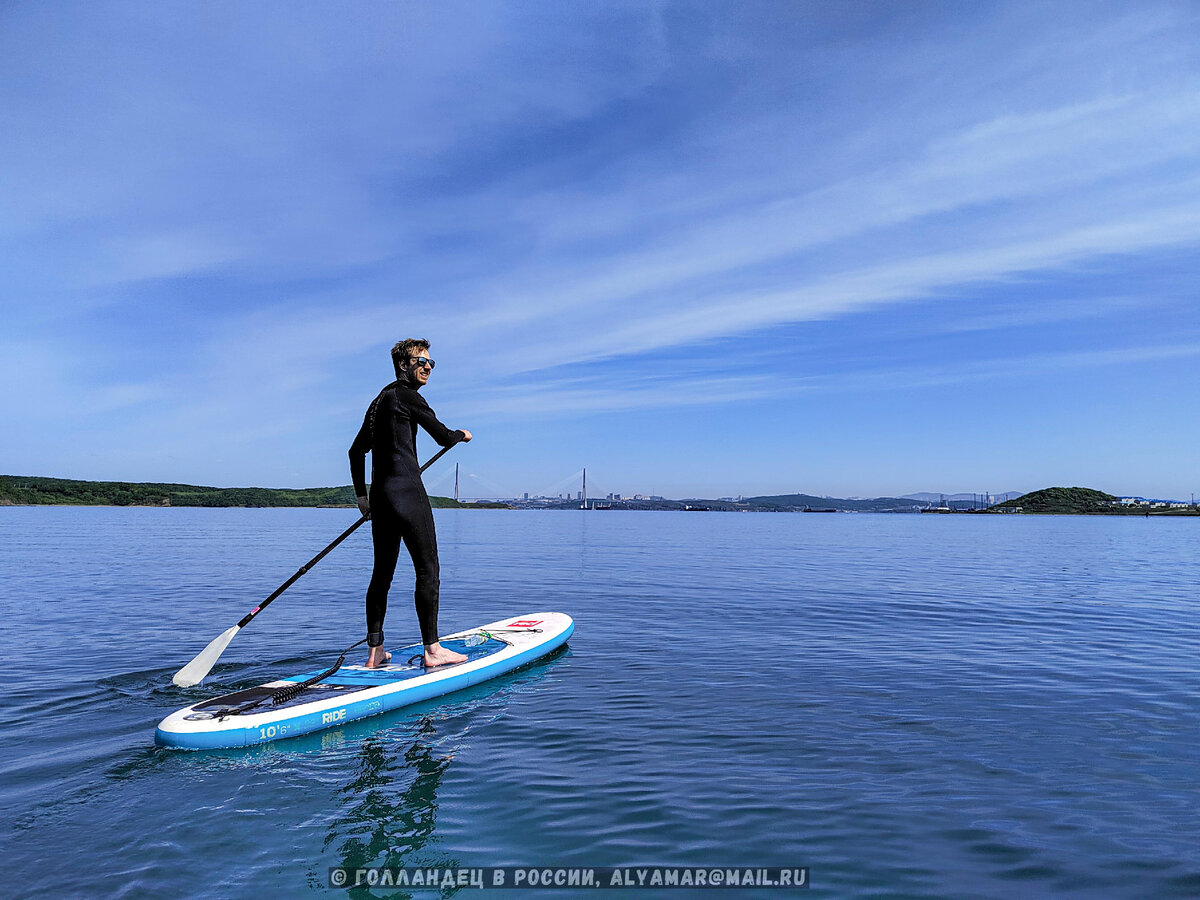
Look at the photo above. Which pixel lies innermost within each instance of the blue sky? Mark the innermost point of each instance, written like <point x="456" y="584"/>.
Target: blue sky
<point x="701" y="248"/>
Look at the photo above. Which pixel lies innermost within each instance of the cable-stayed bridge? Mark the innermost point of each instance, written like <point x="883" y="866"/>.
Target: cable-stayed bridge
<point x="472" y="485"/>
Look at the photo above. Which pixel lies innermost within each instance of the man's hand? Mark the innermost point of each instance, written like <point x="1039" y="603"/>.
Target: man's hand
<point x="364" y="506"/>
<point x="466" y="434"/>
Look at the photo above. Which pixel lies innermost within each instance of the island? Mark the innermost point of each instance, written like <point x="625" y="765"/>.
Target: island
<point x="1081" y="501"/>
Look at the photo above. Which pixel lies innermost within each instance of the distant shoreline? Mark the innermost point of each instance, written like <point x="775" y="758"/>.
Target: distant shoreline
<point x="450" y="503"/>
<point x="20" y="490"/>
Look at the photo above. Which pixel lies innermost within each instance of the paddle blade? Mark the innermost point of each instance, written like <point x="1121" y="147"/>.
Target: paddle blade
<point x="193" y="673"/>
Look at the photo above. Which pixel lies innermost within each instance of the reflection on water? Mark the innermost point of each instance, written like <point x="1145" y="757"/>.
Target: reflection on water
<point x="387" y="811"/>
<point x="389" y="807"/>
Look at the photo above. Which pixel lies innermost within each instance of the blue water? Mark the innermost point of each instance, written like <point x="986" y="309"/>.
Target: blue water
<point x="933" y="706"/>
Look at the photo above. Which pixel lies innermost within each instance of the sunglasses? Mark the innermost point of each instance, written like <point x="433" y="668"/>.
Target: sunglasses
<point x="422" y="361"/>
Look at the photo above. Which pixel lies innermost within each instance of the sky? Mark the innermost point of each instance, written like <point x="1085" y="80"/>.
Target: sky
<point x="702" y="249"/>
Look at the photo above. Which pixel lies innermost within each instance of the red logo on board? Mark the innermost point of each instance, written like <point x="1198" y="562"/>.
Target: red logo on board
<point x="525" y="623"/>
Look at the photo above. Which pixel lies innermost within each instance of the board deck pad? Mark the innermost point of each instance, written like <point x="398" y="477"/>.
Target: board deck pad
<point x="355" y="692"/>
<point x="352" y="678"/>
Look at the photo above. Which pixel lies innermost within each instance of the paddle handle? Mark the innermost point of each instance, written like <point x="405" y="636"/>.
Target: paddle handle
<point x="320" y="556"/>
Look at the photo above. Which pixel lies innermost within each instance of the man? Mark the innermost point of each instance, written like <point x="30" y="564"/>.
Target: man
<point x="398" y="505"/>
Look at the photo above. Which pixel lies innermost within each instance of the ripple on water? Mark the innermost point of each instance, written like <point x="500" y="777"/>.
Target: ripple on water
<point x="912" y="706"/>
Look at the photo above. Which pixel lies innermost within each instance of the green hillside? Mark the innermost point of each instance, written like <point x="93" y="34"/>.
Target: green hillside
<point x="23" y="490"/>
<point x="1063" y="500"/>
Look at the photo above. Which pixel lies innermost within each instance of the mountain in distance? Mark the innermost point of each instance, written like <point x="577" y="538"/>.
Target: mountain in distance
<point x="929" y="497"/>
<point x="810" y="501"/>
<point x="907" y="503"/>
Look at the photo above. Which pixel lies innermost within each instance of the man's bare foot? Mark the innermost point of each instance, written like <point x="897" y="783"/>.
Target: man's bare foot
<point x="437" y="655"/>
<point x="377" y="658"/>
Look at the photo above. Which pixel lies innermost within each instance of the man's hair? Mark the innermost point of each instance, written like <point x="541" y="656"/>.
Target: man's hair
<point x="404" y="349"/>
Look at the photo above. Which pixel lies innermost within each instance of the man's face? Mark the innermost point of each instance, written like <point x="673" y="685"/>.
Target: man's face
<point x="420" y="371"/>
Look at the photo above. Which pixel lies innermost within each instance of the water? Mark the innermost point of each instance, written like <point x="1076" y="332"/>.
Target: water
<point x="955" y="706"/>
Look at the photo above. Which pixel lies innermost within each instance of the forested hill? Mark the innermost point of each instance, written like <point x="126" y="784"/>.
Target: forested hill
<point x="25" y="490"/>
<point x="1072" y="500"/>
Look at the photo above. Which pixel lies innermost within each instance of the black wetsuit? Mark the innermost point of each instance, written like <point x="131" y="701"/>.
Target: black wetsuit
<point x="399" y="505"/>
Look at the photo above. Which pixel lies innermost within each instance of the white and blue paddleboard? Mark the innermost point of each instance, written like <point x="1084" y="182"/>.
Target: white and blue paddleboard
<point x="355" y="692"/>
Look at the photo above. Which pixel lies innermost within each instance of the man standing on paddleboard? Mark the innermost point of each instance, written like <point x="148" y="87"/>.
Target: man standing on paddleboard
<point x="398" y="505"/>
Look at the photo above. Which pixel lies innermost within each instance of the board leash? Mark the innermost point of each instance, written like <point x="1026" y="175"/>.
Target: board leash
<point x="282" y="695"/>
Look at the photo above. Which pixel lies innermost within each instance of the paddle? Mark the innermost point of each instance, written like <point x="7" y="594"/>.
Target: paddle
<point x="193" y="673"/>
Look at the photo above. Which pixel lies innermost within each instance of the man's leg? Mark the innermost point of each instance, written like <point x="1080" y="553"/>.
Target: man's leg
<point x="421" y="539"/>
<point x="385" y="539"/>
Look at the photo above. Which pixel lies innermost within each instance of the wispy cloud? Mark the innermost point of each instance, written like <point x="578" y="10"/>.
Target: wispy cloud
<point x="582" y="396"/>
<point x="219" y="238"/>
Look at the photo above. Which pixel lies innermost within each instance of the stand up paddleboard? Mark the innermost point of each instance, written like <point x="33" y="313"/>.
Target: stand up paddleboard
<point x="256" y="715"/>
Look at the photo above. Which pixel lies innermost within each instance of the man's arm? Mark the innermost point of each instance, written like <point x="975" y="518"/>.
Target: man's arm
<point x="424" y="417"/>
<point x="358" y="455"/>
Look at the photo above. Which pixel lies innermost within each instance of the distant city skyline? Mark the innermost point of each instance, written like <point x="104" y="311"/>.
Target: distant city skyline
<point x="979" y="497"/>
<point x="705" y="249"/>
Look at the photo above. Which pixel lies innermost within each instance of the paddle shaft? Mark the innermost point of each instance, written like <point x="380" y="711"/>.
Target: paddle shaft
<point x="316" y="559"/>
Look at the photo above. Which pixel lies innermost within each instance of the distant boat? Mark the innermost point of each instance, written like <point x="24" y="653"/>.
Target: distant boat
<point x="810" y="509"/>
